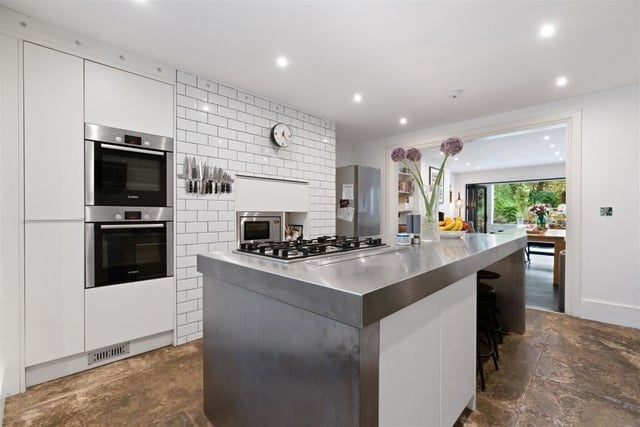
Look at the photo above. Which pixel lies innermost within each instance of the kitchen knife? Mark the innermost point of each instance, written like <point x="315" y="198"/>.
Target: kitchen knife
<point x="194" y="173"/>
<point x="203" y="184"/>
<point x="200" y="175"/>
<point x="186" y="173"/>
<point x="213" y="180"/>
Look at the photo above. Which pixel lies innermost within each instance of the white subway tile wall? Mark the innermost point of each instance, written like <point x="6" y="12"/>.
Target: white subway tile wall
<point x="231" y="129"/>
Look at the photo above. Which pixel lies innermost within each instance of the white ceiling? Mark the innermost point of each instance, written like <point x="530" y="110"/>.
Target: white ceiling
<point x="511" y="150"/>
<point x="402" y="56"/>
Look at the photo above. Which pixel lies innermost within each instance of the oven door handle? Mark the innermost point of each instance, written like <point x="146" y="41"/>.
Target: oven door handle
<point x="117" y="227"/>
<point x="133" y="150"/>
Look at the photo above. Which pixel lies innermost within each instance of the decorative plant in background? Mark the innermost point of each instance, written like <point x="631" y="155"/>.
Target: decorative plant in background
<point x="411" y="160"/>
<point x="541" y="212"/>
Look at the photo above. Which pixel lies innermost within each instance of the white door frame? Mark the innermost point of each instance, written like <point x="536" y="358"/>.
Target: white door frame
<point x="573" y="122"/>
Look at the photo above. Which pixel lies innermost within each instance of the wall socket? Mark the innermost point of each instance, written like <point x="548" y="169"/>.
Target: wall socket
<point x="606" y="211"/>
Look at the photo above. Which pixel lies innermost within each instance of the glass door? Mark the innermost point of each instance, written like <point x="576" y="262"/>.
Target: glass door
<point x="476" y="210"/>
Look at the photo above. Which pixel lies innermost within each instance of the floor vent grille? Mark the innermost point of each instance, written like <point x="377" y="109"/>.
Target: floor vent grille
<point x="110" y="352"/>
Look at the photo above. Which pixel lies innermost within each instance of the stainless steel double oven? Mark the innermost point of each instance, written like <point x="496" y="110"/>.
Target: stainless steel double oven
<point x="128" y="206"/>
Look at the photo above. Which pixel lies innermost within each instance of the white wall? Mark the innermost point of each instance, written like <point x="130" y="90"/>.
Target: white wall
<point x="233" y="133"/>
<point x="610" y="251"/>
<point x="10" y="342"/>
<point x="345" y="154"/>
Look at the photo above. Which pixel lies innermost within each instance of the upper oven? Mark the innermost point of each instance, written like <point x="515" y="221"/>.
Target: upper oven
<point x="127" y="168"/>
<point x="259" y="227"/>
<point x="127" y="244"/>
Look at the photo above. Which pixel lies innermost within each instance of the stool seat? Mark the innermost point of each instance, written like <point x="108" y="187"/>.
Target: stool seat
<point x="489" y="275"/>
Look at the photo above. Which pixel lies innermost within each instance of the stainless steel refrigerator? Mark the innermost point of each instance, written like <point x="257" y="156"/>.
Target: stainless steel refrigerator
<point x="357" y="201"/>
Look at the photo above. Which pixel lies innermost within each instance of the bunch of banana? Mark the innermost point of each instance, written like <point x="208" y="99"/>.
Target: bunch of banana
<point x="450" y="224"/>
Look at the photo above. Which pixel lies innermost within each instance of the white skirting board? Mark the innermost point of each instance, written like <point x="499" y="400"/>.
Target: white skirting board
<point x="70" y="365"/>
<point x="2" y="394"/>
<point x="617" y="314"/>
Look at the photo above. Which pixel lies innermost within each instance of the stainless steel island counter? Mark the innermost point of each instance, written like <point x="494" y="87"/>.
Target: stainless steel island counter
<point x="382" y="337"/>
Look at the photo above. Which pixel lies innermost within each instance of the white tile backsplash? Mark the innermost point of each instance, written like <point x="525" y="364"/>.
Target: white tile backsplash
<point x="231" y="129"/>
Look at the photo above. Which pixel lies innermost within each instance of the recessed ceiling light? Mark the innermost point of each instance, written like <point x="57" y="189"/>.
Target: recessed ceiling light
<point x="441" y="153"/>
<point x="547" y="30"/>
<point x="552" y="145"/>
<point x="205" y="107"/>
<point x="561" y="81"/>
<point x="455" y="158"/>
<point x="282" y="62"/>
<point x="357" y="98"/>
<point x="559" y="158"/>
<point x="403" y="121"/>
<point x="477" y="167"/>
<point x="468" y="164"/>
<point x="325" y="140"/>
<point x="546" y="137"/>
<point x="557" y="153"/>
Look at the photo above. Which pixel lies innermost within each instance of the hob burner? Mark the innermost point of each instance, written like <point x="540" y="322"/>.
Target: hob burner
<point x="305" y="248"/>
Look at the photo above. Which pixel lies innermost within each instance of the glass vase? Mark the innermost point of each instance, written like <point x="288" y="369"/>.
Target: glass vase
<point x="541" y="222"/>
<point x="429" y="230"/>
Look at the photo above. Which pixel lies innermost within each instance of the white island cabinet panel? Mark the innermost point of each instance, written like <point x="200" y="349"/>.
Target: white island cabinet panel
<point x="458" y="368"/>
<point x="409" y="358"/>
<point x="53" y="134"/>
<point x="54" y="290"/>
<point x="128" y="311"/>
<point x="127" y="101"/>
<point x="428" y="358"/>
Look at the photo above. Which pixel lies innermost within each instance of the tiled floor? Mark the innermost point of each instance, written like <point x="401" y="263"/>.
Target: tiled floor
<point x="563" y="371"/>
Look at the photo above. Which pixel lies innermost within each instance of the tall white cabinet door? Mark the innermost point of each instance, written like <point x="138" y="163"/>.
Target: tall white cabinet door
<point x="128" y="101"/>
<point x="54" y="290"/>
<point x="53" y="134"/>
<point x="458" y="351"/>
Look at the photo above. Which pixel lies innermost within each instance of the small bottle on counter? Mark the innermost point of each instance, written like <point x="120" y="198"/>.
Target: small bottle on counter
<point x="415" y="240"/>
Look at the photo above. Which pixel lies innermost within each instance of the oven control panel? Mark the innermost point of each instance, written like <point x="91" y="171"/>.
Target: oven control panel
<point x="117" y="213"/>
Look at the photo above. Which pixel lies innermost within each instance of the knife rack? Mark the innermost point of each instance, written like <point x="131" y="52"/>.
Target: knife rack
<point x="200" y="178"/>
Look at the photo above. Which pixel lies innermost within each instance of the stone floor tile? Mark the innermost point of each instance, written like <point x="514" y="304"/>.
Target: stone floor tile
<point x="64" y="411"/>
<point x="550" y="404"/>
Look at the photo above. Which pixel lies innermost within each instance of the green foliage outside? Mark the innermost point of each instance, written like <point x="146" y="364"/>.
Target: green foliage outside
<point x="513" y="199"/>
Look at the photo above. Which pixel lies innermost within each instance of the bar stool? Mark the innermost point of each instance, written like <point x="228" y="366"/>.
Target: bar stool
<point x="487" y="296"/>
<point x="485" y="338"/>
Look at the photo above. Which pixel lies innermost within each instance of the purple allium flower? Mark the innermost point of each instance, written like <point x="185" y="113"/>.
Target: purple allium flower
<point x="452" y="146"/>
<point x="398" y="154"/>
<point x="414" y="154"/>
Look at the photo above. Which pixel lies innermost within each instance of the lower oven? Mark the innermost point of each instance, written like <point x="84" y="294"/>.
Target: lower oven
<point x="127" y="244"/>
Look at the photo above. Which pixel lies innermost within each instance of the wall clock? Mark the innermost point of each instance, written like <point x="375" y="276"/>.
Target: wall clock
<point x="281" y="134"/>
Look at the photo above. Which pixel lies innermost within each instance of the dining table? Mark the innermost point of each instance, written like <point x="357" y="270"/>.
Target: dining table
<point x="556" y="236"/>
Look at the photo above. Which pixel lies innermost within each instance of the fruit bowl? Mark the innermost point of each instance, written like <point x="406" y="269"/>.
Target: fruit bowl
<point x="452" y="234"/>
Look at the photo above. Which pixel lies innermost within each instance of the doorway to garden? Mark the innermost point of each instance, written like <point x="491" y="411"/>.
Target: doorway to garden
<point x="534" y="204"/>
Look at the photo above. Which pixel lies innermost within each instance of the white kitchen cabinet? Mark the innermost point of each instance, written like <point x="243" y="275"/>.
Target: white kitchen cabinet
<point x="127" y="101"/>
<point x="271" y="195"/>
<point x="54" y="290"/>
<point x="120" y="313"/>
<point x="53" y="135"/>
<point x="458" y="351"/>
<point x="428" y="358"/>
